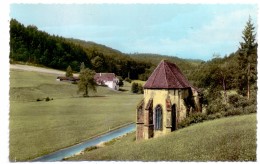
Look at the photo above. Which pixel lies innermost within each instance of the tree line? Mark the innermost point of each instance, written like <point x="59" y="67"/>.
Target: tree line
<point x="30" y="45"/>
<point x="237" y="71"/>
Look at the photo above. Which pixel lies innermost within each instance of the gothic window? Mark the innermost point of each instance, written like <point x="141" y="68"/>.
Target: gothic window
<point x="158" y="118"/>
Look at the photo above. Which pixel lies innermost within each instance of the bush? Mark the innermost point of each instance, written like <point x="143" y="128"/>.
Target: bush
<point x="184" y="123"/>
<point x="250" y="109"/>
<point x="47" y="99"/>
<point x="193" y="118"/>
<point x="38" y="99"/>
<point x="128" y="80"/>
<point x="90" y="148"/>
<point x="120" y="83"/>
<point x="197" y="117"/>
<point x="134" y="88"/>
<point x="140" y="88"/>
<point x="233" y="99"/>
<point x="216" y="107"/>
<point x="238" y="101"/>
<point x="233" y="112"/>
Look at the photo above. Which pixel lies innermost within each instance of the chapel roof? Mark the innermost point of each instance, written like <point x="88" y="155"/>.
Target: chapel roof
<point x="167" y="76"/>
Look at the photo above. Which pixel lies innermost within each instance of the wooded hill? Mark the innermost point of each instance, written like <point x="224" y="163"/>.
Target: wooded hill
<point x="28" y="44"/>
<point x="236" y="71"/>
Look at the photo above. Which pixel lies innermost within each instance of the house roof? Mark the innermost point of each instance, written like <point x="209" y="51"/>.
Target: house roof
<point x="104" y="76"/>
<point x="167" y="76"/>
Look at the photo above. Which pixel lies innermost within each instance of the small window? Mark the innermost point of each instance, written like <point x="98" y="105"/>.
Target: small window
<point x="158" y="118"/>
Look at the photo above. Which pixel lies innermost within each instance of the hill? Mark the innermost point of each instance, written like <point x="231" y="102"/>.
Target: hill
<point x="30" y="45"/>
<point x="226" y="139"/>
<point x="186" y="65"/>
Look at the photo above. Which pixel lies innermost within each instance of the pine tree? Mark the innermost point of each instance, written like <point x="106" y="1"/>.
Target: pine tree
<point x="247" y="59"/>
<point x="69" y="72"/>
<point x="82" y="66"/>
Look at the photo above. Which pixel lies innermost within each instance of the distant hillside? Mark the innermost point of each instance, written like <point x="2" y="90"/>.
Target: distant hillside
<point x="92" y="46"/>
<point x="186" y="65"/>
<point x="30" y="45"/>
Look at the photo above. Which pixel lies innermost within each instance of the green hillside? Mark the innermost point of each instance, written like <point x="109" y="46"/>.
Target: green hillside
<point x="226" y="139"/>
<point x="30" y="45"/>
<point x="41" y="127"/>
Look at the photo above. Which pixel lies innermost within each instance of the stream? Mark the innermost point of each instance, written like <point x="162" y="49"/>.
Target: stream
<point x="70" y="151"/>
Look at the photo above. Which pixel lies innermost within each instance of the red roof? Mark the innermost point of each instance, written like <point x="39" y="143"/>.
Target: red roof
<point x="167" y="76"/>
<point x="104" y="76"/>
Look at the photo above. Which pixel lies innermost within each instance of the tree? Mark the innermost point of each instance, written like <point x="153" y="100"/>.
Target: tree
<point x="82" y="66"/>
<point x="134" y="88"/>
<point x="86" y="81"/>
<point x="69" y="72"/>
<point x="120" y="83"/>
<point x="247" y="59"/>
<point x="98" y="63"/>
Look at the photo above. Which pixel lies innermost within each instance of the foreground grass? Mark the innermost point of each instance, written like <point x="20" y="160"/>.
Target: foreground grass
<point x="38" y="128"/>
<point x="226" y="139"/>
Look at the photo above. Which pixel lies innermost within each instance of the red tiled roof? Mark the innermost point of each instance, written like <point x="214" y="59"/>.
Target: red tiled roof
<point x="104" y="76"/>
<point x="167" y="76"/>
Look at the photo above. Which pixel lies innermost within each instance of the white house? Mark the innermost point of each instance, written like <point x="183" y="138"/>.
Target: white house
<point x="108" y="79"/>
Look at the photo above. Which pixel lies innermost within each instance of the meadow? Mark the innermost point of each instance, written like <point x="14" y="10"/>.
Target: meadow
<point x="41" y="127"/>
<point x="225" y="139"/>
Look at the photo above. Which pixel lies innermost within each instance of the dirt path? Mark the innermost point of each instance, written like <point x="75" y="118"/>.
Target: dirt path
<point x="38" y="69"/>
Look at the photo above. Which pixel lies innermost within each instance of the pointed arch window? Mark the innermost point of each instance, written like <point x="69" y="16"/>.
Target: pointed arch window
<point x="158" y="118"/>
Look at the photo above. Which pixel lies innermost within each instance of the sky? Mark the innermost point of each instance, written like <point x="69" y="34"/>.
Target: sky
<point x="195" y="31"/>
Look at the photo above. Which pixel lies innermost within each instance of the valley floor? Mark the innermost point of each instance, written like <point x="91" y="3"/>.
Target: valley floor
<point x="41" y="127"/>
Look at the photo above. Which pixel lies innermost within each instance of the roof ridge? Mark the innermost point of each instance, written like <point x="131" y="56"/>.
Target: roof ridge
<point x="164" y="65"/>
<point x="156" y="72"/>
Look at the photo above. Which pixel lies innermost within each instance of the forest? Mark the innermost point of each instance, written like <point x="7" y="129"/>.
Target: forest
<point x="30" y="45"/>
<point x="236" y="71"/>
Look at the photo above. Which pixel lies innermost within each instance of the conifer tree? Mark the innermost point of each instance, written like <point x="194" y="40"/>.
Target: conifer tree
<point x="247" y="59"/>
<point x="69" y="72"/>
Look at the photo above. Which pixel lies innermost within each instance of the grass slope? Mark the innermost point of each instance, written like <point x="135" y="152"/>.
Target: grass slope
<point x="38" y="128"/>
<point x="226" y="139"/>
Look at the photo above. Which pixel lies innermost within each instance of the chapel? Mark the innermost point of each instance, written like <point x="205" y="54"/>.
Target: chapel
<point x="168" y="99"/>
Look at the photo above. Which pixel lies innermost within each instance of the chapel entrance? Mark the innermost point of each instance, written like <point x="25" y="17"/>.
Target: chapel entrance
<point x="174" y="124"/>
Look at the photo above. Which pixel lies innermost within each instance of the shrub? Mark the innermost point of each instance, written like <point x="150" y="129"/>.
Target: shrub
<point x="184" y="123"/>
<point x="250" y="109"/>
<point x="90" y="148"/>
<point x="140" y="88"/>
<point x="197" y="117"/>
<point x="235" y="111"/>
<point x="134" y="88"/>
<point x="38" y="99"/>
<point x="215" y="107"/>
<point x="128" y="80"/>
<point x="233" y="99"/>
<point x="193" y="118"/>
<point x="120" y="83"/>
<point x="47" y="99"/>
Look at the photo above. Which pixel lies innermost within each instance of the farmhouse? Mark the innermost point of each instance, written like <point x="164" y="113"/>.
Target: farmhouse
<point x="108" y="79"/>
<point x="168" y="99"/>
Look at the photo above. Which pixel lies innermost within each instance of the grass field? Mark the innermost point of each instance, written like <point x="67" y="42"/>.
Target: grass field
<point x="38" y="128"/>
<point x="226" y="139"/>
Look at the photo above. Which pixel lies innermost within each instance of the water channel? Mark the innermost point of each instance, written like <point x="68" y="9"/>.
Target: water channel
<point x="70" y="151"/>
